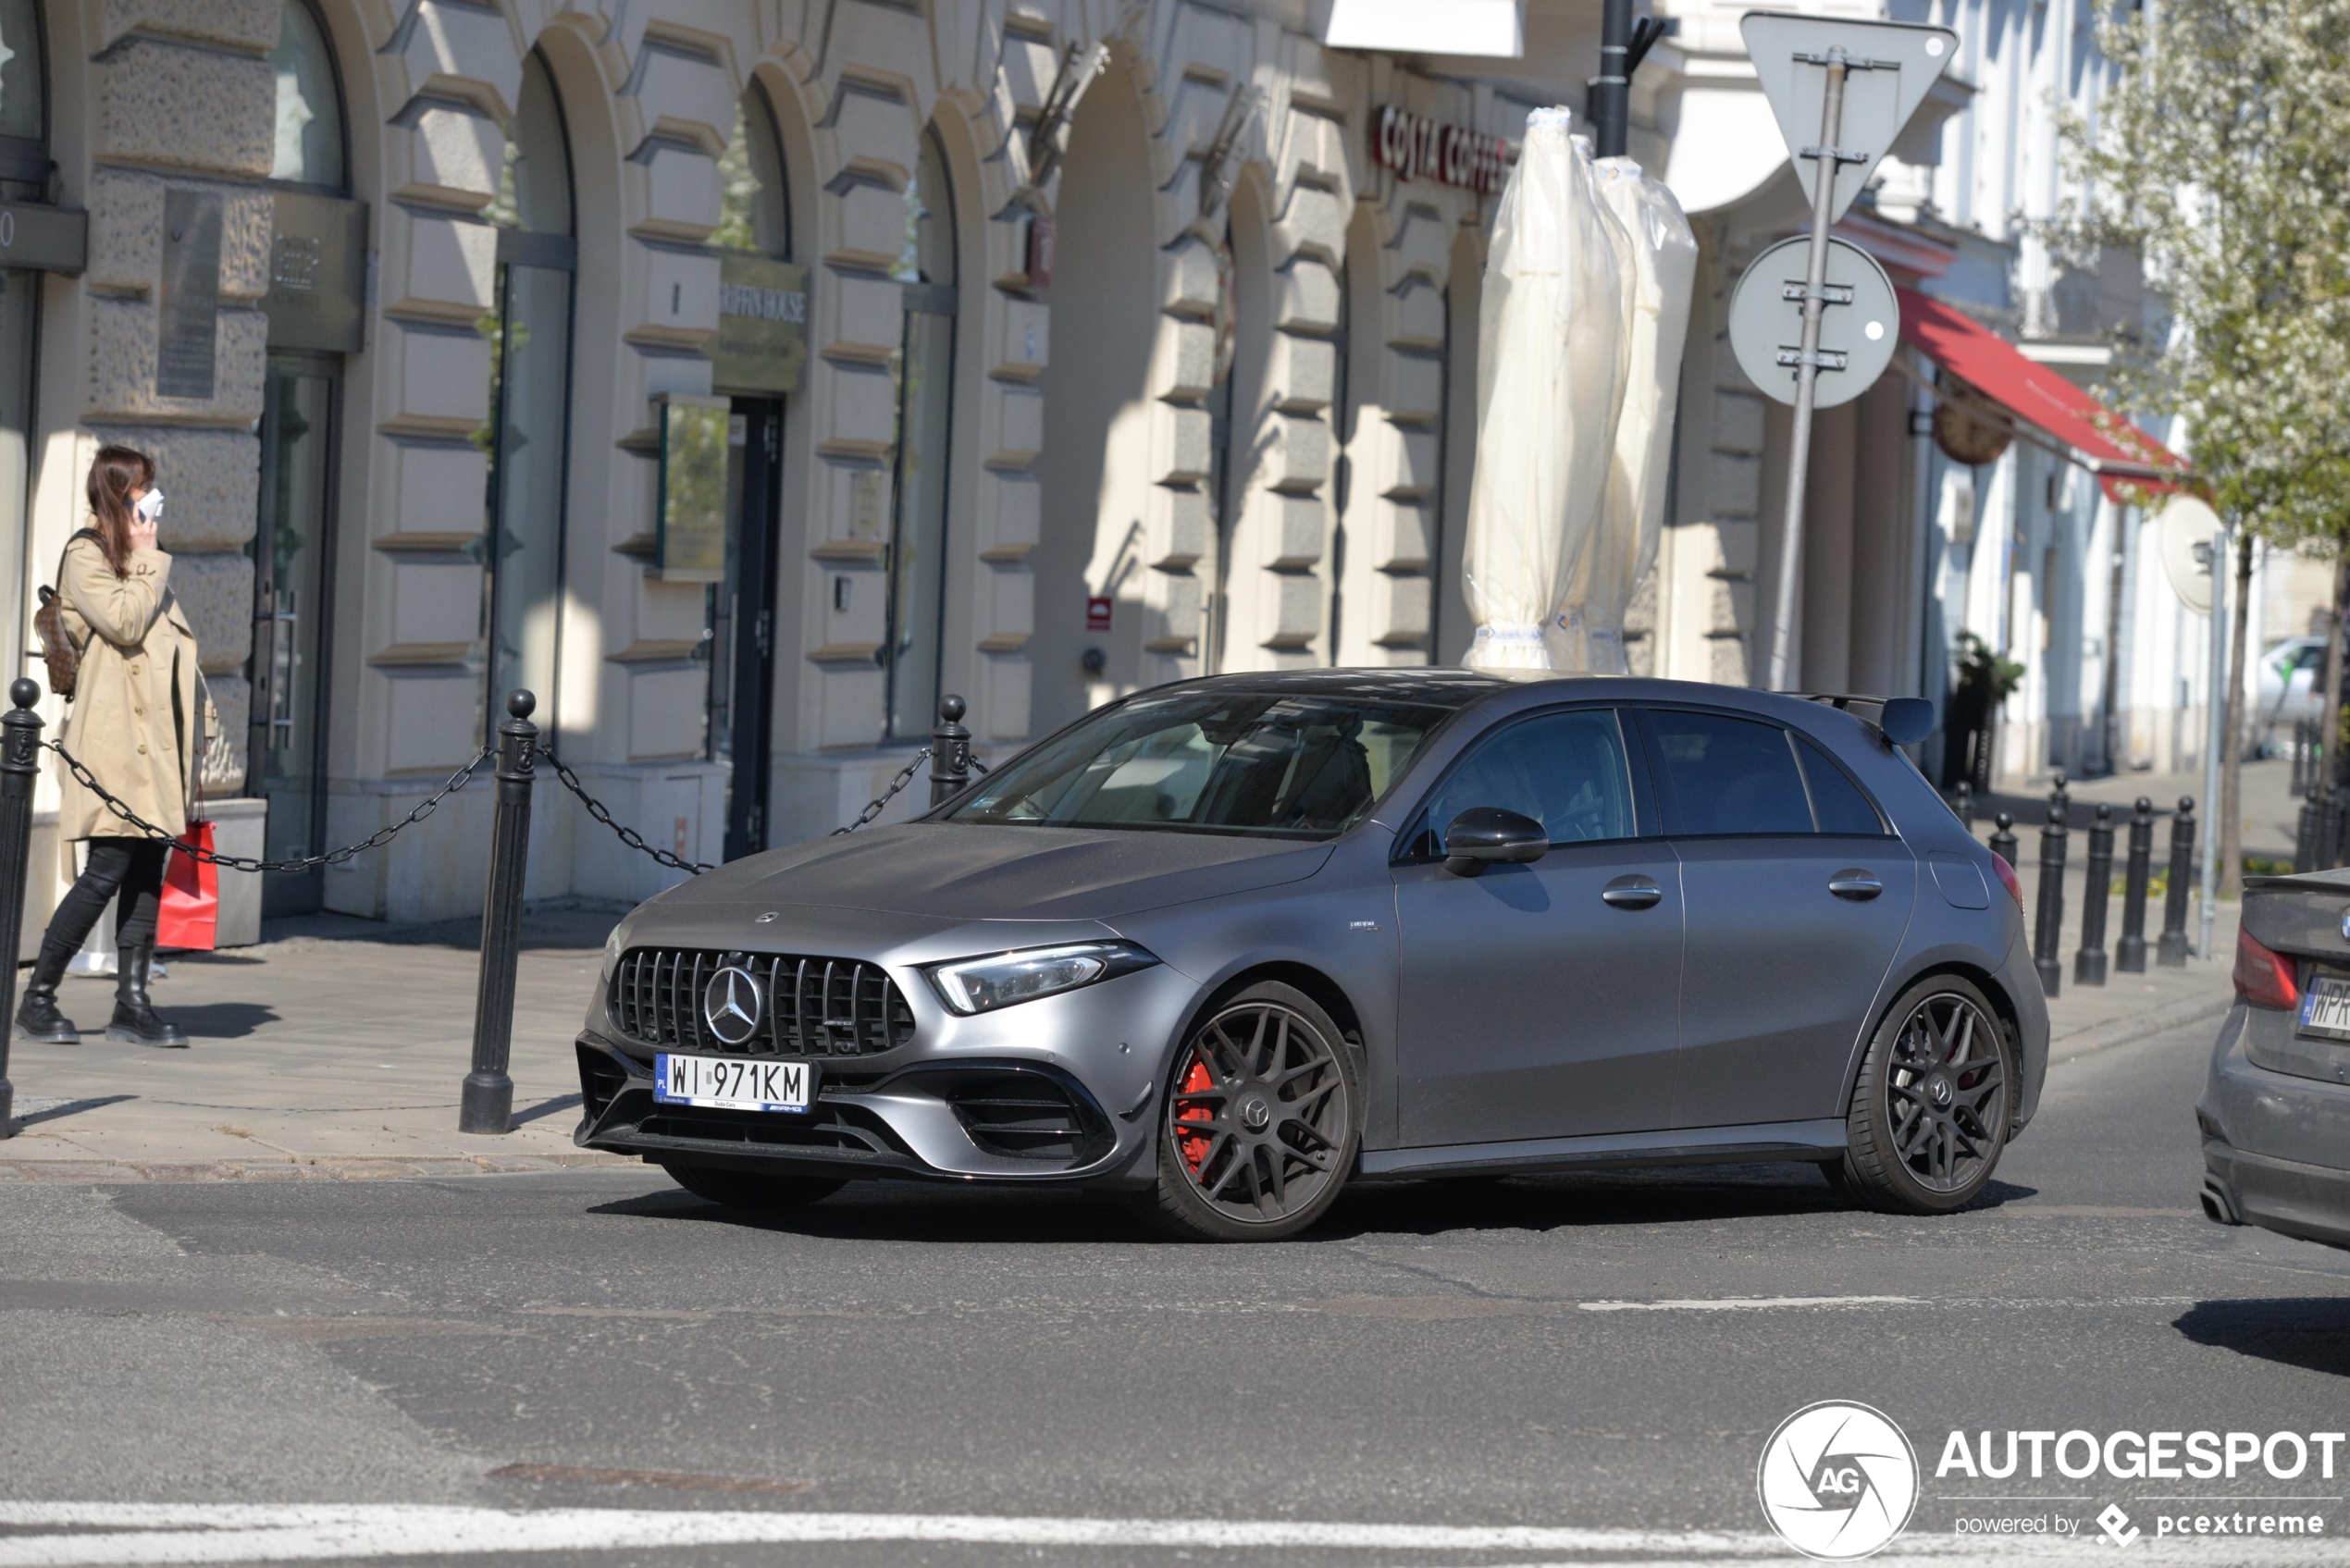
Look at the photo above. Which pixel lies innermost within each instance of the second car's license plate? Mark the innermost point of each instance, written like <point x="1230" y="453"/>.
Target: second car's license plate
<point x="732" y="1083"/>
<point x="2325" y="1008"/>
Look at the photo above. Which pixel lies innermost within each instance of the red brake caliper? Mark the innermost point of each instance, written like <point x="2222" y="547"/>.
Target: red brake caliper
<point x="1194" y="1145"/>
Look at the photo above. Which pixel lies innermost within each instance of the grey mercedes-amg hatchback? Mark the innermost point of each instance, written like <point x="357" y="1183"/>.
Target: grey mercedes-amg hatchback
<point x="1230" y="944"/>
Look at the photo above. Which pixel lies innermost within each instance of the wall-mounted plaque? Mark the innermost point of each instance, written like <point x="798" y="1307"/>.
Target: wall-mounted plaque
<point x="689" y="530"/>
<point x="762" y="324"/>
<point x="317" y="272"/>
<point x="188" y="313"/>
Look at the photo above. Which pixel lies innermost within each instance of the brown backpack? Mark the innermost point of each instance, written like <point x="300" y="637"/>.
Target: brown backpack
<point x="49" y="622"/>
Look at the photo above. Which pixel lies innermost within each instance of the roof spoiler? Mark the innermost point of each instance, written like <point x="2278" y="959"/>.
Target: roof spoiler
<point x="1903" y="721"/>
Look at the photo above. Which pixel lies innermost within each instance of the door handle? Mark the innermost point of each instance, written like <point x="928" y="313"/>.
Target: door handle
<point x="1631" y="893"/>
<point x="1856" y="884"/>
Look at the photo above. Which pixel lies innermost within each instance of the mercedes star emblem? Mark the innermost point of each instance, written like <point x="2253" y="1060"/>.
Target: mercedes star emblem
<point x="730" y="1005"/>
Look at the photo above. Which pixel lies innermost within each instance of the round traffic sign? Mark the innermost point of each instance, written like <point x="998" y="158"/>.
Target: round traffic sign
<point x="1858" y="328"/>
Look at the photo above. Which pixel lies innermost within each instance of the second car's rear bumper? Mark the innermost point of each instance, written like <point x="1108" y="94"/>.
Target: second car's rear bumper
<point x="2275" y="1146"/>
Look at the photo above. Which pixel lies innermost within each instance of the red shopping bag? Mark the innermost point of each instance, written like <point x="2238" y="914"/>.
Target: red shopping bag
<point x="190" y="916"/>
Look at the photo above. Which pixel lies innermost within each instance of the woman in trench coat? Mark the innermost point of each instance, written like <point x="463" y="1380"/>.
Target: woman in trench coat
<point x="133" y="723"/>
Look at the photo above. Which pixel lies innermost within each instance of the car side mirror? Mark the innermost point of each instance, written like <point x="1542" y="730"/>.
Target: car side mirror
<point x="1487" y="835"/>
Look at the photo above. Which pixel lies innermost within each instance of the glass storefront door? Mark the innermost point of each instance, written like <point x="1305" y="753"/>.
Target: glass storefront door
<point x="741" y="642"/>
<point x="292" y="564"/>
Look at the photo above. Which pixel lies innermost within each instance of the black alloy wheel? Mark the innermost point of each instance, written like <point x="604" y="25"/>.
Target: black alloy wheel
<point x="750" y="1190"/>
<point x="1258" y="1131"/>
<point x="1931" y="1108"/>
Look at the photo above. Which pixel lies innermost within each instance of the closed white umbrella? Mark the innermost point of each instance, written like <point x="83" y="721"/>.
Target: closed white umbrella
<point x="1588" y="631"/>
<point x="1548" y="335"/>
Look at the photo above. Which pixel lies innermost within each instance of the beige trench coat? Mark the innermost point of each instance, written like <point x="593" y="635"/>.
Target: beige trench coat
<point x="137" y="696"/>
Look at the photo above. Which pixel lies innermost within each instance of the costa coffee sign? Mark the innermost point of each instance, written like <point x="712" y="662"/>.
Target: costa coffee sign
<point x="1418" y="148"/>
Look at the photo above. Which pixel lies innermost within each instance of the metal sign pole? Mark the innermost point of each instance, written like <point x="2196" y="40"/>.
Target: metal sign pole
<point x="2208" y="872"/>
<point x="1807" y="372"/>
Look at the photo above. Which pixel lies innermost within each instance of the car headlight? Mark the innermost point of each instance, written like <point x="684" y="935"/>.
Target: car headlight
<point x="982" y="986"/>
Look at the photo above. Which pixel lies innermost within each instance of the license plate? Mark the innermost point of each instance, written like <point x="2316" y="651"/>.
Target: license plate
<point x="732" y="1083"/>
<point x="2325" y="1008"/>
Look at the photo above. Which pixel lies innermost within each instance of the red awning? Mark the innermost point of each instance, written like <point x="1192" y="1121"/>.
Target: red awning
<point x="2124" y="458"/>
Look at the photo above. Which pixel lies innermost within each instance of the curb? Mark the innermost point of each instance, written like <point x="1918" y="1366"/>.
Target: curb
<point x="2128" y="1031"/>
<point x="323" y="1167"/>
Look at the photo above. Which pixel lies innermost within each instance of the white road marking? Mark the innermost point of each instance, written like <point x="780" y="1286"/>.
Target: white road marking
<point x="1751" y="1304"/>
<point x="171" y="1534"/>
<point x="206" y="1533"/>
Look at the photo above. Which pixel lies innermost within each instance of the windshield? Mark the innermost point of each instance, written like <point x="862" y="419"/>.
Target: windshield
<point x="1281" y="765"/>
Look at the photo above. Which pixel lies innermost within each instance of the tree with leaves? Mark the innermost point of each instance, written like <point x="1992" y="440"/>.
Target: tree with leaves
<point x="2221" y="155"/>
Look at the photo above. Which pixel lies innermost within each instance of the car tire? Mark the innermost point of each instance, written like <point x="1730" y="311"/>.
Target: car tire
<point x="1259" y="1125"/>
<point x="1931" y="1106"/>
<point x="751" y="1191"/>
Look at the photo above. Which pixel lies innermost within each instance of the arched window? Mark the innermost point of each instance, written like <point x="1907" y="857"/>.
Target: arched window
<point x="24" y="176"/>
<point x="926" y="267"/>
<point x="754" y="212"/>
<point x="310" y="140"/>
<point x="530" y="332"/>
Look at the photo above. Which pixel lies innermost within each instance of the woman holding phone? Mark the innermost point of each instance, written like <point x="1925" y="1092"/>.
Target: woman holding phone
<point x="137" y="700"/>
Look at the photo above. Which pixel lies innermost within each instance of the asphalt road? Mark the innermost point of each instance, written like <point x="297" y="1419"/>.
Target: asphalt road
<point x="1555" y="1370"/>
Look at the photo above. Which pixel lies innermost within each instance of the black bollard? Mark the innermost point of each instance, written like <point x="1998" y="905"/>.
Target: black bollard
<point x="2003" y="838"/>
<point x="2088" y="963"/>
<point x="2130" y="953"/>
<point x="1966" y="805"/>
<point x="19" y="767"/>
<point x="2171" y="952"/>
<point x="950" y="750"/>
<point x="2047" y="932"/>
<point x="2304" y="836"/>
<point x="486" y="1102"/>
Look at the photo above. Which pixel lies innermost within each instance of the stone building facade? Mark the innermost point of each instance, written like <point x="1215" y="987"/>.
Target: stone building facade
<point x="1101" y="344"/>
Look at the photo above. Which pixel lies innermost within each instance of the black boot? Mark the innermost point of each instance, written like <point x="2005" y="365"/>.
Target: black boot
<point x="37" y="1016"/>
<point x="134" y="1021"/>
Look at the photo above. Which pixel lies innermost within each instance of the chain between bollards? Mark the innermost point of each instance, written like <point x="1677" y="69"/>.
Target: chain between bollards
<point x="20" y="767"/>
<point x="2130" y="953"/>
<point x="2048" y="932"/>
<point x="486" y="1102"/>
<point x="2171" y="952"/>
<point x="2089" y="963"/>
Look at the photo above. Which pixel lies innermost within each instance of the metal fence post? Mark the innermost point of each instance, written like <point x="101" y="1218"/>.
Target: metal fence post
<point x="2305" y="834"/>
<point x="2130" y="953"/>
<point x="950" y="750"/>
<point x="20" y="767"/>
<point x="488" y="1102"/>
<point x="2089" y="962"/>
<point x="2003" y="838"/>
<point x="2171" y="952"/>
<point x="2048" y="933"/>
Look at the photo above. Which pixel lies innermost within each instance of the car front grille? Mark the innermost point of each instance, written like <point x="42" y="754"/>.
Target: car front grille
<point x="807" y="1007"/>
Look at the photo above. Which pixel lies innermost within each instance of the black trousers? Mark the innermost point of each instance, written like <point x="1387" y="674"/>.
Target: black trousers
<point x="127" y="870"/>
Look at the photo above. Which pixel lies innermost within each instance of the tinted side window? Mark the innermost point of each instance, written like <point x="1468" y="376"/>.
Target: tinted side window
<point x="1835" y="798"/>
<point x="1725" y="775"/>
<point x="1566" y="770"/>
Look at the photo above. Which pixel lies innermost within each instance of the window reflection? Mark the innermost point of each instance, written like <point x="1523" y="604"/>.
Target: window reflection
<point x="19" y="71"/>
<point x="309" y="140"/>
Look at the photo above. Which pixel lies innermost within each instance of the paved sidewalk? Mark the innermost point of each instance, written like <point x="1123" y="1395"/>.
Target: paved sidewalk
<point x="333" y="1052"/>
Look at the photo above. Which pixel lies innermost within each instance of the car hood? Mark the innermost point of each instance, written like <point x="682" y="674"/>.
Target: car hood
<point x="967" y="871"/>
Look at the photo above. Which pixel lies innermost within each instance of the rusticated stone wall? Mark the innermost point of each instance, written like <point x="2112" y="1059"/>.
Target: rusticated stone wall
<point x="183" y="100"/>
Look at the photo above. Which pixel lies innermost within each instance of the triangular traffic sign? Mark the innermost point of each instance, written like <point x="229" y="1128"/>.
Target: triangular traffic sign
<point x="1894" y="66"/>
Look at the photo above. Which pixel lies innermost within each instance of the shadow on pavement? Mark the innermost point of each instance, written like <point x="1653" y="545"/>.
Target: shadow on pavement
<point x="918" y="1212"/>
<point x="40" y="1111"/>
<point x="545" y="1108"/>
<point x="2305" y="1331"/>
<point x="219" y="1020"/>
